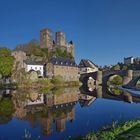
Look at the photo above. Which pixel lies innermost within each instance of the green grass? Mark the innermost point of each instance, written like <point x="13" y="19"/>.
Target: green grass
<point x="126" y="131"/>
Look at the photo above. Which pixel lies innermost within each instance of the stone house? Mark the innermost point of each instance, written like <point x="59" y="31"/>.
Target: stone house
<point x="66" y="68"/>
<point x="129" y="60"/>
<point x="87" y="66"/>
<point x="35" y="66"/>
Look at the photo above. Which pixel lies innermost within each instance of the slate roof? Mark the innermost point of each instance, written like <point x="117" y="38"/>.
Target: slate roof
<point x="62" y="61"/>
<point x="86" y="63"/>
<point x="128" y="57"/>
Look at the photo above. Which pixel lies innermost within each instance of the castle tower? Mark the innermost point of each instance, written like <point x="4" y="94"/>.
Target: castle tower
<point x="46" y="126"/>
<point x="71" y="49"/>
<point x="46" y="39"/>
<point x="60" y="39"/>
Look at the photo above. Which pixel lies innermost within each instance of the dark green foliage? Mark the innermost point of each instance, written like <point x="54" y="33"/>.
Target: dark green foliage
<point x="45" y="52"/>
<point x="116" y="67"/>
<point x="58" y="80"/>
<point x="6" y="62"/>
<point x="6" y="110"/>
<point x="4" y="52"/>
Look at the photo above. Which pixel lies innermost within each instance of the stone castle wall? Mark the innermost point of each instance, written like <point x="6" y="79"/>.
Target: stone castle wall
<point x="46" y="41"/>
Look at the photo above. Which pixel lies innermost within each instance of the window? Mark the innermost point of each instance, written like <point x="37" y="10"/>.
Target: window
<point x="35" y="68"/>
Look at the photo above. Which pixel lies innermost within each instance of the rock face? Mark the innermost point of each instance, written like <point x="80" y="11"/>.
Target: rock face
<point x="19" y="56"/>
<point x="19" y="73"/>
<point x="34" y="96"/>
<point x="33" y="76"/>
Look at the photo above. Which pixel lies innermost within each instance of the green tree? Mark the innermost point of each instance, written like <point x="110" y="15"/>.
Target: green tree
<point x="116" y="67"/>
<point x="4" y="52"/>
<point x="59" y="52"/>
<point x="33" y="49"/>
<point x="45" y="52"/>
<point x="6" y="62"/>
<point x="58" y="80"/>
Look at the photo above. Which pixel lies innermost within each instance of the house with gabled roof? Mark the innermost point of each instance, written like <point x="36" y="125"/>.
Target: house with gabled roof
<point x="87" y="66"/>
<point x="37" y="66"/>
<point x="64" y="67"/>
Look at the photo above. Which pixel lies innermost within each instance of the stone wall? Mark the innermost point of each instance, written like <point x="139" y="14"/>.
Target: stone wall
<point x="68" y="73"/>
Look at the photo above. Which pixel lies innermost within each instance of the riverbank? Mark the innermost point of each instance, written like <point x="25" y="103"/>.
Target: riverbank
<point x="46" y="83"/>
<point x="41" y="83"/>
<point x="129" y="130"/>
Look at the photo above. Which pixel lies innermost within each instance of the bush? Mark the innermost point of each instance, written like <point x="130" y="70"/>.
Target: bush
<point x="58" y="80"/>
<point x="44" y="81"/>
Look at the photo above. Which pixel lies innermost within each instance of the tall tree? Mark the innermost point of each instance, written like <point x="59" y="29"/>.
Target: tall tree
<point x="6" y="62"/>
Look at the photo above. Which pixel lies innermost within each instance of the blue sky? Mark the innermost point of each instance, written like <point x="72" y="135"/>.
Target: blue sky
<point x="104" y="31"/>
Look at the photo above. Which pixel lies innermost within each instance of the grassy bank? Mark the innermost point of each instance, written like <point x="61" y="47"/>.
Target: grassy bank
<point x="126" y="131"/>
<point x="48" y="83"/>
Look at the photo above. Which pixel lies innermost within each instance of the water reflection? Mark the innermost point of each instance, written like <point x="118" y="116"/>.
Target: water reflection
<point x="52" y="110"/>
<point x="55" y="107"/>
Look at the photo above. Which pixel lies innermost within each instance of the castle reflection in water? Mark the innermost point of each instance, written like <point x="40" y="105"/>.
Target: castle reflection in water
<point x="56" y="107"/>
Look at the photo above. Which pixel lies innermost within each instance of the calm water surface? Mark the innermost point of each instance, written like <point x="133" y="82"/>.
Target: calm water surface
<point x="61" y="113"/>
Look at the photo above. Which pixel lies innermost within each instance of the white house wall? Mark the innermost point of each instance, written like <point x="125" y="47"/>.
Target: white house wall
<point x="35" y="68"/>
<point x="88" y="70"/>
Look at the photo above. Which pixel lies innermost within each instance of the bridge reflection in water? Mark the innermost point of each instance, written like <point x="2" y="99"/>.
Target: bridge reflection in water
<point x="57" y="107"/>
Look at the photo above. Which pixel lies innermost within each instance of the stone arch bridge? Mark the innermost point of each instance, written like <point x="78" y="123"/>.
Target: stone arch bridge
<point x="102" y="77"/>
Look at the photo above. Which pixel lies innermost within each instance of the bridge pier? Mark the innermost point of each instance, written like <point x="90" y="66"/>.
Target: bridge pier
<point x="99" y="92"/>
<point x="128" y="77"/>
<point x="99" y="78"/>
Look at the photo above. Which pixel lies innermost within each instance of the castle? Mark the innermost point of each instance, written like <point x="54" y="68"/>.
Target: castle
<point x="46" y="41"/>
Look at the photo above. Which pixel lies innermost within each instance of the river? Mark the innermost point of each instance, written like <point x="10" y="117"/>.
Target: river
<point x="61" y="113"/>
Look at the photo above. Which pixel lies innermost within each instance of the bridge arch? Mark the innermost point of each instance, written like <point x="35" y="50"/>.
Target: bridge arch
<point x="122" y="73"/>
<point x="114" y="79"/>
